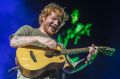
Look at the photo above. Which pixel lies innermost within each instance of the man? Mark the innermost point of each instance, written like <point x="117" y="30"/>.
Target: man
<point x="51" y="19"/>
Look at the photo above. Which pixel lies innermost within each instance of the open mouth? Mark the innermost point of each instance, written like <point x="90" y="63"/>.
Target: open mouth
<point x="53" y="28"/>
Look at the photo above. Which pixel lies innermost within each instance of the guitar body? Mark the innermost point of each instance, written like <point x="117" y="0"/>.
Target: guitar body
<point x="33" y="61"/>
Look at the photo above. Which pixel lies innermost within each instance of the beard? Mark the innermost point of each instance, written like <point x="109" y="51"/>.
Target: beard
<point x="50" y="30"/>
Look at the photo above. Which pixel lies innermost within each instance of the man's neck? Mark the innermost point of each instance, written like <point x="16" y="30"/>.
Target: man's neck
<point x="42" y="30"/>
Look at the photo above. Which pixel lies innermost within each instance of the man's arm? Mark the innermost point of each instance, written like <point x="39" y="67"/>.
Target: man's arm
<point x="20" y="41"/>
<point x="79" y="65"/>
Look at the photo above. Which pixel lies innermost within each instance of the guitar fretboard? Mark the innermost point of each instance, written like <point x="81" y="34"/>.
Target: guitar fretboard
<point x="105" y="50"/>
<point x="74" y="51"/>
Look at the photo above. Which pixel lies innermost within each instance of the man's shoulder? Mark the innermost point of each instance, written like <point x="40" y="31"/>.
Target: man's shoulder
<point x="26" y="27"/>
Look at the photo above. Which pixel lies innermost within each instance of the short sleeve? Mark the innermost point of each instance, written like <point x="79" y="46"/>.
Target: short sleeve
<point x="25" y="30"/>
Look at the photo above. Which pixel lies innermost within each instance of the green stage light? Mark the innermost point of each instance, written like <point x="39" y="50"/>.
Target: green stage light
<point x="76" y="30"/>
<point x="75" y="16"/>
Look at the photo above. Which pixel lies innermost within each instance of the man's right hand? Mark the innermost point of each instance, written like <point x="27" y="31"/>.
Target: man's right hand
<point x="52" y="44"/>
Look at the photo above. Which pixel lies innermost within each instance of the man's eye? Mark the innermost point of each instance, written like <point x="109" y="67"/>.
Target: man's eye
<point x="54" y="18"/>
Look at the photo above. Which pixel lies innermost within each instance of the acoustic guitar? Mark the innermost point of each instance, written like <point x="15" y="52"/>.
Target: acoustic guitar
<point x="33" y="61"/>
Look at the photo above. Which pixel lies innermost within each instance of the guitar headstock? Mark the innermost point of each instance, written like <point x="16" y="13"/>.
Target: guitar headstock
<point x="106" y="50"/>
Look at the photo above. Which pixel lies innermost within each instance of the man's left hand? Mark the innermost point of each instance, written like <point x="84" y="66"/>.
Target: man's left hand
<point x="92" y="54"/>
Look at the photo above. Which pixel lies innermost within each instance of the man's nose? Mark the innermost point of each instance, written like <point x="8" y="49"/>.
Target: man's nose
<point x="56" y="22"/>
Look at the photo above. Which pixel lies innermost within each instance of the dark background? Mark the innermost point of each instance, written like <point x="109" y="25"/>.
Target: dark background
<point x="103" y="14"/>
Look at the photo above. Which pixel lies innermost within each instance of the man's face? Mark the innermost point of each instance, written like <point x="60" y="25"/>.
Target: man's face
<point x="51" y="24"/>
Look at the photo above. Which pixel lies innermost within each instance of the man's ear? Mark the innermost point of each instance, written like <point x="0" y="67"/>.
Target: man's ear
<point x="43" y="18"/>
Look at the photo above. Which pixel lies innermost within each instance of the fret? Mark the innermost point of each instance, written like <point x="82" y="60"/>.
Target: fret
<point x="105" y="50"/>
<point x="74" y="51"/>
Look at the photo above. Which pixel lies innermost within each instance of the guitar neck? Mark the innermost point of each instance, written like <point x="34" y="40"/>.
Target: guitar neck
<point x="74" y="51"/>
<point x="105" y="50"/>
